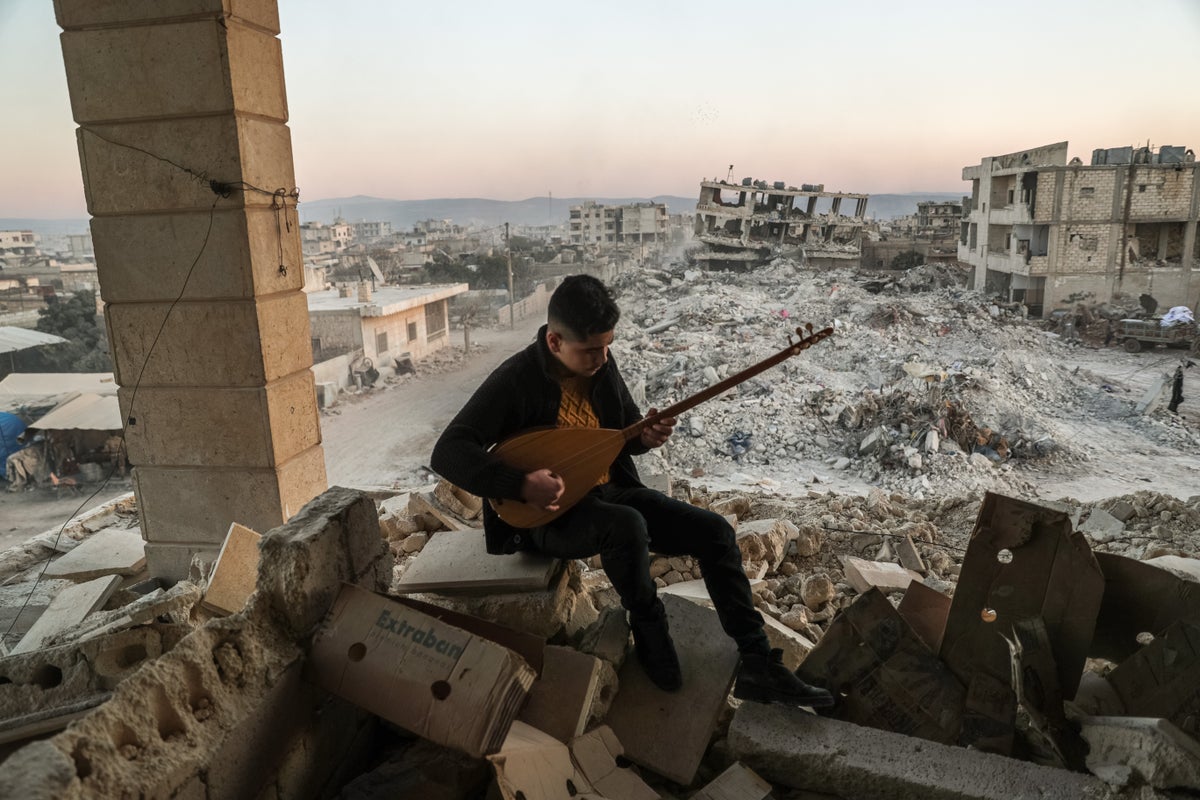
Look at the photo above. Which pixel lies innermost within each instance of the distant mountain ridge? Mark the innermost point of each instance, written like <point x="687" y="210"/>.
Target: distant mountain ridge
<point x="480" y="211"/>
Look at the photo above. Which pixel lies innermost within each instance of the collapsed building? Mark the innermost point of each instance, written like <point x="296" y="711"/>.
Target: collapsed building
<point x="747" y="225"/>
<point x="1047" y="232"/>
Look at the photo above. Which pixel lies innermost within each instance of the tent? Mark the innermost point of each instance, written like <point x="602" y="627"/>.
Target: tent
<point x="11" y="427"/>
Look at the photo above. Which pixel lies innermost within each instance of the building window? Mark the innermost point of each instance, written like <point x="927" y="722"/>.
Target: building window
<point x="380" y="342"/>
<point x="412" y="331"/>
<point x="1087" y="191"/>
<point x="435" y="319"/>
<point x="1141" y="187"/>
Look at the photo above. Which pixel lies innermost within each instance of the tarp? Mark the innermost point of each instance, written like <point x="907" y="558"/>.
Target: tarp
<point x="51" y="388"/>
<point x="13" y="339"/>
<point x="11" y="427"/>
<point x="1178" y="314"/>
<point x="87" y="412"/>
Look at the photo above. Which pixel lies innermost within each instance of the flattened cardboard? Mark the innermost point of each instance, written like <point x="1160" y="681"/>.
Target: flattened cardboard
<point x="561" y="698"/>
<point x="1048" y="571"/>
<point x="235" y="575"/>
<point x="533" y="765"/>
<point x="739" y="782"/>
<point x="1139" y="597"/>
<point x="889" y="678"/>
<point x="1163" y="679"/>
<point x="526" y="645"/>
<point x="925" y="610"/>
<point x="596" y="754"/>
<point x="440" y="682"/>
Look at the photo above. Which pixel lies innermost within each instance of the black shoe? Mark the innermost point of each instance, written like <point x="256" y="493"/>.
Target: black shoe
<point x="764" y="679"/>
<point x="654" y="648"/>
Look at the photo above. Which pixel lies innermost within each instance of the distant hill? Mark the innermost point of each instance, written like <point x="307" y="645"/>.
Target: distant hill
<point x="463" y="210"/>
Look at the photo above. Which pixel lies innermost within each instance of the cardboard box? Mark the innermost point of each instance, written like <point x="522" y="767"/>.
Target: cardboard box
<point x="450" y="686"/>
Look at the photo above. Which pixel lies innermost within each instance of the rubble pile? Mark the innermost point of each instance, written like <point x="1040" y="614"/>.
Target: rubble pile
<point x="926" y="388"/>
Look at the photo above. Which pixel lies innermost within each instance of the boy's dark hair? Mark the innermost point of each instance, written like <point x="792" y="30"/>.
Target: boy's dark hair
<point x="582" y="306"/>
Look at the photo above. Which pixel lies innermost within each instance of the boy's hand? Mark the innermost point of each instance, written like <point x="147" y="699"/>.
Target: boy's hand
<point x="657" y="434"/>
<point x="542" y="488"/>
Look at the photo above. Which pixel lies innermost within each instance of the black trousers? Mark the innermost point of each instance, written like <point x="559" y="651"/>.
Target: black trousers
<point x="622" y="526"/>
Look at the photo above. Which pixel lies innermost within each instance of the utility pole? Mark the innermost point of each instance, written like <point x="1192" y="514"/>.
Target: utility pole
<point x="511" y="299"/>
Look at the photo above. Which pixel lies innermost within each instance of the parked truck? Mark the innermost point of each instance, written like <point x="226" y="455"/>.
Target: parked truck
<point x="1136" y="334"/>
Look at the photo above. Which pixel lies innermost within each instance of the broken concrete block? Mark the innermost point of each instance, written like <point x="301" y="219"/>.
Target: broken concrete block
<point x="980" y="461"/>
<point x="175" y="605"/>
<point x="874" y="442"/>
<point x="561" y="698"/>
<point x="642" y="712"/>
<point x="772" y="536"/>
<point x="1023" y="561"/>
<point x="1102" y="526"/>
<point x="1185" y="568"/>
<point x="817" y="590"/>
<point x="109" y="552"/>
<point x="66" y="610"/>
<point x="458" y="501"/>
<point x="334" y="539"/>
<point x="457" y="562"/>
<point x="414" y="543"/>
<point x="1096" y="697"/>
<point x="910" y="558"/>
<point x="608" y="637"/>
<point x="596" y="754"/>
<point x="438" y="681"/>
<point x="794" y="748"/>
<point x="562" y="608"/>
<point x="235" y="575"/>
<point x="882" y="575"/>
<point x="1152" y="750"/>
<point x="739" y="782"/>
<point x="794" y="644"/>
<point x="419" y="504"/>
<point x="1121" y="510"/>
<point x="885" y="673"/>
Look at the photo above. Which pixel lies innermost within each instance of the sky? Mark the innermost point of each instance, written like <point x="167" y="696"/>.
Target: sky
<point x="411" y="100"/>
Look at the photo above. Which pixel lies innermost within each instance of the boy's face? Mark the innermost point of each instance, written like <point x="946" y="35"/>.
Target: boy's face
<point x="580" y="358"/>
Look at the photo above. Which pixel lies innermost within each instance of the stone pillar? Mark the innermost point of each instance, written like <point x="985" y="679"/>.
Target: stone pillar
<point x="201" y="283"/>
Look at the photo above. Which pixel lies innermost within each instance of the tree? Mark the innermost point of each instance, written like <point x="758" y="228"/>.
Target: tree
<point x="73" y="318"/>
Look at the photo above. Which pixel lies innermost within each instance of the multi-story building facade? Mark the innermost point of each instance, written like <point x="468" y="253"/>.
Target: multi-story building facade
<point x="1048" y="232"/>
<point x="938" y="218"/>
<point x="18" y="243"/>
<point x="751" y="223"/>
<point x="639" y="223"/>
<point x="367" y="231"/>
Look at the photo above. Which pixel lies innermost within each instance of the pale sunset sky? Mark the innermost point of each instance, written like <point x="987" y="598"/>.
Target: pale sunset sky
<point x="411" y="100"/>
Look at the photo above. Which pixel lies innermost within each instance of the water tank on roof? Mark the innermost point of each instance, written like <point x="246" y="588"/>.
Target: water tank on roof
<point x="747" y="181"/>
<point x="1099" y="157"/>
<point x="1169" y="154"/>
<point x="1119" y="155"/>
<point x="779" y="184"/>
<point x="808" y="187"/>
<point x="1142" y="156"/>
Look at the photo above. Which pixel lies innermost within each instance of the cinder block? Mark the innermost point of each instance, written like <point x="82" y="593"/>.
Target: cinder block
<point x="792" y="747"/>
<point x="173" y="69"/>
<point x="144" y="257"/>
<point x="197" y="504"/>
<point x="73" y="14"/>
<point x="222" y="426"/>
<point x="244" y="343"/>
<point x="333" y="540"/>
<point x="229" y="149"/>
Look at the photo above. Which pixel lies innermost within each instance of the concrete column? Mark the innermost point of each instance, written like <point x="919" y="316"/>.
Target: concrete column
<point x="206" y="319"/>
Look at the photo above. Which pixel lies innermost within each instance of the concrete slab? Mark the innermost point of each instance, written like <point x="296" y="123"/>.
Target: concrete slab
<point x="67" y="609"/>
<point x="1102" y="526"/>
<point x="795" y="645"/>
<point x="792" y="747"/>
<point x="669" y="732"/>
<point x="457" y="562"/>
<point x="235" y="574"/>
<point x="739" y="782"/>
<point x="111" y="552"/>
<point x="910" y="557"/>
<point x="883" y="575"/>
<point x="562" y="696"/>
<point x="1149" y="749"/>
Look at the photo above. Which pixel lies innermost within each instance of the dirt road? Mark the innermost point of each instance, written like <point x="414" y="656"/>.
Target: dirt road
<point x="383" y="438"/>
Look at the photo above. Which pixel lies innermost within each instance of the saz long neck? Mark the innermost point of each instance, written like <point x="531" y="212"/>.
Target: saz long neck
<point x="636" y="428"/>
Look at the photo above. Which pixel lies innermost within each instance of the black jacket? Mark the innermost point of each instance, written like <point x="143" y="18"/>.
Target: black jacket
<point x="522" y="393"/>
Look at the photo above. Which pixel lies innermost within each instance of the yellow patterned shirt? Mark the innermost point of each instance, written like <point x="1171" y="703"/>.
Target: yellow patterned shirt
<point x="575" y="409"/>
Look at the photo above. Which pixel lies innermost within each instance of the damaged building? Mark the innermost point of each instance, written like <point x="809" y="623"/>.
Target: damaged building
<point x="749" y="224"/>
<point x="1046" y="232"/>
